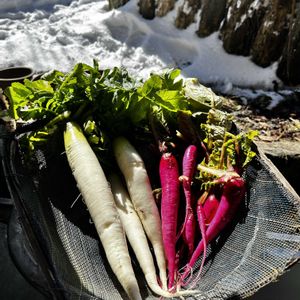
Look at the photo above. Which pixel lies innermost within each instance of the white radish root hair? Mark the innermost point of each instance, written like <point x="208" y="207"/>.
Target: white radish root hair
<point x="98" y="197"/>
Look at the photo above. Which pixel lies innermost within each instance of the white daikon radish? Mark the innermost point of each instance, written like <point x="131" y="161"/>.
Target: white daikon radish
<point x="98" y="197"/>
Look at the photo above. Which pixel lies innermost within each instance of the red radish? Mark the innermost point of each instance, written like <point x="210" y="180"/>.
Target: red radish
<point x="201" y="222"/>
<point x="202" y="226"/>
<point x="232" y="195"/>
<point x="169" y="174"/>
<point x="210" y="207"/>
<point x="189" y="163"/>
<point x="189" y="232"/>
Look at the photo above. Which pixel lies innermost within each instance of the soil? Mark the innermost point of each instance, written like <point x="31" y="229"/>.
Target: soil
<point x="279" y="133"/>
<point x="282" y="123"/>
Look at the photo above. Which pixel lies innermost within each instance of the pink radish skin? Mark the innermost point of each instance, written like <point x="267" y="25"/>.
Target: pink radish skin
<point x="189" y="232"/>
<point x="169" y="174"/>
<point x="210" y="208"/>
<point x="189" y="164"/>
<point x="202" y="226"/>
<point x="232" y="195"/>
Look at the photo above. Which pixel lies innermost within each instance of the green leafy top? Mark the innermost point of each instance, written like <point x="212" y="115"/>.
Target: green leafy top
<point x="110" y="102"/>
<point x="228" y="152"/>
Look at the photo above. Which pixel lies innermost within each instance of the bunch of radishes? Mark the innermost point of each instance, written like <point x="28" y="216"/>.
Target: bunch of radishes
<point x="211" y="213"/>
<point x="197" y="164"/>
<point x="118" y="209"/>
<point x="122" y="205"/>
<point x="127" y="204"/>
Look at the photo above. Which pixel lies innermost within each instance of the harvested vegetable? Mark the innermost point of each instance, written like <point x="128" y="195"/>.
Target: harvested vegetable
<point x="112" y="108"/>
<point x="189" y="164"/>
<point x="137" y="237"/>
<point x="99" y="199"/>
<point x="210" y="207"/>
<point x="135" y="234"/>
<point x="140" y="191"/>
<point x="232" y="195"/>
<point x="169" y="177"/>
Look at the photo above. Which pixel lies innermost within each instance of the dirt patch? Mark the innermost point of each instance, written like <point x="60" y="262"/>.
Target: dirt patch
<point x="282" y="123"/>
<point x="279" y="133"/>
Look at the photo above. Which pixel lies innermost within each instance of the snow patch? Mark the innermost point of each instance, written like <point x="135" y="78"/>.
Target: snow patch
<point x="187" y="8"/>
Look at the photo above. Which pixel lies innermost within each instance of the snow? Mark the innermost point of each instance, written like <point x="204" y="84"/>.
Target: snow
<point x="248" y="94"/>
<point x="256" y="4"/>
<point x="268" y="23"/>
<point x="56" y="34"/>
<point x="9" y="5"/>
<point x="186" y="8"/>
<point x="240" y="23"/>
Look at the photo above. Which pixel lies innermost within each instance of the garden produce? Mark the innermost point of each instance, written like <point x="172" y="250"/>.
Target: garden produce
<point x="165" y="133"/>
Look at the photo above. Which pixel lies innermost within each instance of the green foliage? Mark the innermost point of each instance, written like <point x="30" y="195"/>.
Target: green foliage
<point x="199" y="96"/>
<point x="228" y="152"/>
<point x="110" y="102"/>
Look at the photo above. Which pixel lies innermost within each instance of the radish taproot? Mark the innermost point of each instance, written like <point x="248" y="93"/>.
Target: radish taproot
<point x="137" y="237"/>
<point x="232" y="194"/>
<point x="170" y="187"/>
<point x="201" y="222"/>
<point x="189" y="163"/>
<point x="140" y="191"/>
<point x="210" y="207"/>
<point x="189" y="232"/>
<point x="95" y="190"/>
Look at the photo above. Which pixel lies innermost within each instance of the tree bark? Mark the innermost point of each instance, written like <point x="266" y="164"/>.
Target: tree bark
<point x="147" y="9"/>
<point x="288" y="68"/>
<point x="186" y="13"/>
<point x="116" y="3"/>
<point x="271" y="36"/>
<point x="164" y="6"/>
<point x="212" y="14"/>
<point x="241" y="25"/>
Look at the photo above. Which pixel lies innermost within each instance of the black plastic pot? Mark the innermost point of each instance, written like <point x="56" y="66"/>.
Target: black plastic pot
<point x="14" y="74"/>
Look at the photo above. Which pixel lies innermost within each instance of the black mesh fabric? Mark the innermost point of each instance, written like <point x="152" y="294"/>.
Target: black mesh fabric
<point x="258" y="247"/>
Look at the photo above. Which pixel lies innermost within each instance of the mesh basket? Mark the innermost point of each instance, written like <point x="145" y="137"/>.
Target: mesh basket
<point x="259" y="246"/>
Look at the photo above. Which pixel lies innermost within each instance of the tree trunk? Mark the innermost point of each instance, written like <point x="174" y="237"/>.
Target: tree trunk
<point x="241" y="25"/>
<point x="288" y="68"/>
<point x="212" y="14"/>
<point x="116" y="3"/>
<point x="147" y="8"/>
<point x="186" y="13"/>
<point x="272" y="34"/>
<point x="164" y="6"/>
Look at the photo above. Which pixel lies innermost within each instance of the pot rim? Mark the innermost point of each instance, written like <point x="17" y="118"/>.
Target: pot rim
<point x="30" y="72"/>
